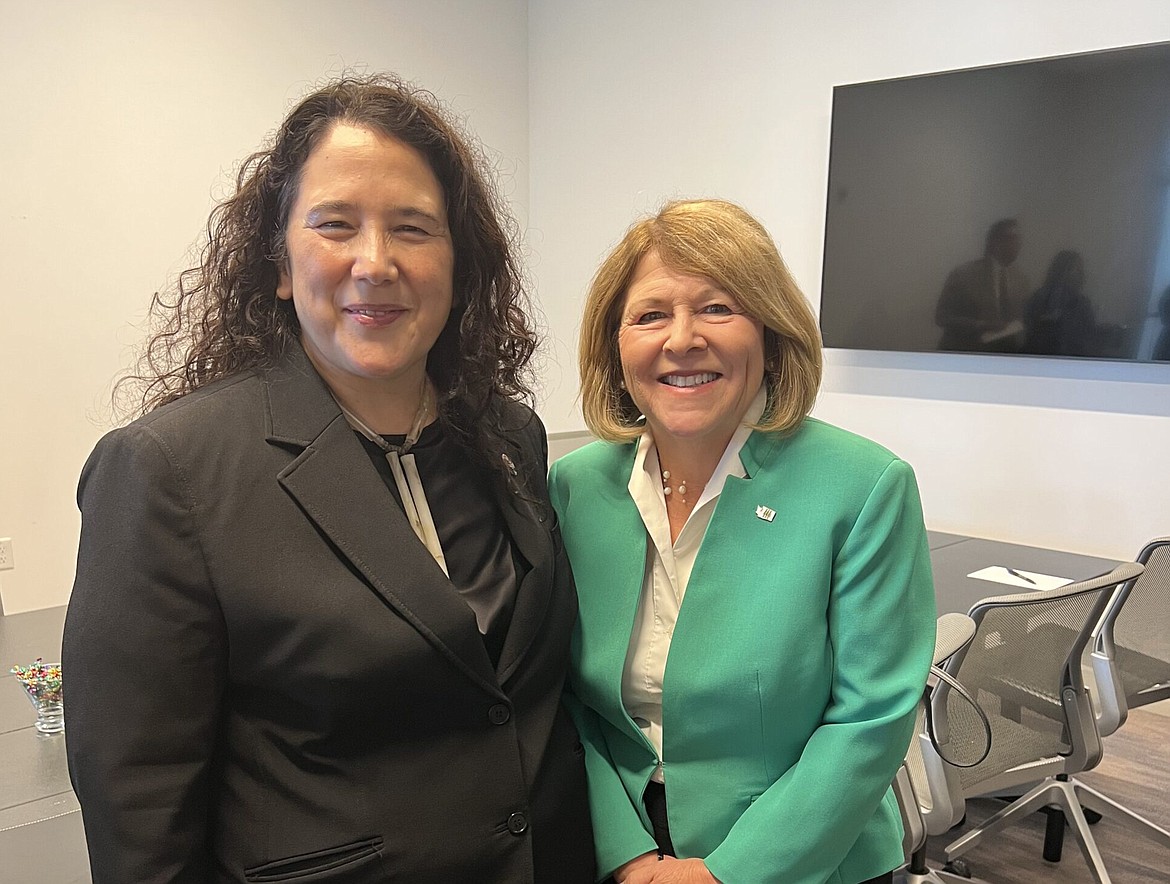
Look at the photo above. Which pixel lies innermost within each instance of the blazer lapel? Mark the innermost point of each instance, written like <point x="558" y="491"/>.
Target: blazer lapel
<point x="334" y="484"/>
<point x="531" y="536"/>
<point x="611" y="538"/>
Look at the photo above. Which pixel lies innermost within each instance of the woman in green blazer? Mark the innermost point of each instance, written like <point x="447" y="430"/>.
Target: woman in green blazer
<point x="749" y="733"/>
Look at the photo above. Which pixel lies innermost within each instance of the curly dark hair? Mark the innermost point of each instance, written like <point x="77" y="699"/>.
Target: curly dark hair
<point x="222" y="316"/>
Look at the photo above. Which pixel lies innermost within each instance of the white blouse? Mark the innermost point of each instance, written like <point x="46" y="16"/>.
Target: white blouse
<point x="668" y="570"/>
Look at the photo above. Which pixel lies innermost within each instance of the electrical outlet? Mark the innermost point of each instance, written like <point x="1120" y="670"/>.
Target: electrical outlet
<point x="6" y="561"/>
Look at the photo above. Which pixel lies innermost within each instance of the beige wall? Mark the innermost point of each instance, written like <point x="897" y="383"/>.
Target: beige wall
<point x="122" y="122"/>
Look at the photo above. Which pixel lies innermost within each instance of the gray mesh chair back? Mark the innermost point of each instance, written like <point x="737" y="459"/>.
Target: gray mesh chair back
<point x="1024" y="666"/>
<point x="926" y="785"/>
<point x="1131" y="653"/>
<point x="1131" y="667"/>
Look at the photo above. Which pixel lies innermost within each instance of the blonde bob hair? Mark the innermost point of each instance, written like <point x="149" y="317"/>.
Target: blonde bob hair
<point x="720" y="241"/>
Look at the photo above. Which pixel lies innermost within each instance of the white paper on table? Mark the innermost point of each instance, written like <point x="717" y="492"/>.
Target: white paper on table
<point x="1000" y="574"/>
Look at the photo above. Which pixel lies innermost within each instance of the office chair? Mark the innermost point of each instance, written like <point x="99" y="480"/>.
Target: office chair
<point x="1130" y="662"/>
<point x="926" y="785"/>
<point x="1024" y="667"/>
<point x="1131" y="645"/>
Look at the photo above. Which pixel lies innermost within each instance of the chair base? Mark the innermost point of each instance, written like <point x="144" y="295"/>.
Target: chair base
<point x="1067" y="796"/>
<point x="918" y="872"/>
<point x="932" y="876"/>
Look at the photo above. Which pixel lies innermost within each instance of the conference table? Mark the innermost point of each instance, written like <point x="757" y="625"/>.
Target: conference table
<point x="41" y="836"/>
<point x="954" y="557"/>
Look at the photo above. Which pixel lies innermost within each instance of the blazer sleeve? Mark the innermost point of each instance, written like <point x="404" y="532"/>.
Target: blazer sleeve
<point x="619" y="834"/>
<point x="881" y="617"/>
<point x="144" y="659"/>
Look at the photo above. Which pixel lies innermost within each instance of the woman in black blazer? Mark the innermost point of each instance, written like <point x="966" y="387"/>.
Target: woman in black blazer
<point x="321" y="616"/>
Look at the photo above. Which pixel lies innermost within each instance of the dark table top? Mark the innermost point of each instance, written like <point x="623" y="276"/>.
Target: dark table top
<point x="51" y="851"/>
<point x="41" y="836"/>
<point x="24" y="637"/>
<point x="955" y="591"/>
<point x="939" y="539"/>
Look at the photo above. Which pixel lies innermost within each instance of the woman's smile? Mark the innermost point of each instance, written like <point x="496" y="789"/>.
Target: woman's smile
<point x="373" y="316"/>
<point x="690" y="381"/>
<point x="693" y="359"/>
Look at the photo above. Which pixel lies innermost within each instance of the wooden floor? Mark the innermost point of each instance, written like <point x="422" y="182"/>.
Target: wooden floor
<point x="1135" y="772"/>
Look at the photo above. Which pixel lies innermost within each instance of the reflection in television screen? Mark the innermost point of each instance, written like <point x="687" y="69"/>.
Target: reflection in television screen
<point x="1020" y="209"/>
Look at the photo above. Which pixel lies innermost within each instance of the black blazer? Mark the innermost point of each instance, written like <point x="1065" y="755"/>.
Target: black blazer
<point x="270" y="679"/>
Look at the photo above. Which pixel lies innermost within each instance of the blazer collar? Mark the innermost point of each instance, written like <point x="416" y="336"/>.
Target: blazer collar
<point x="532" y="537"/>
<point x="300" y="405"/>
<point x="331" y="479"/>
<point x="760" y="448"/>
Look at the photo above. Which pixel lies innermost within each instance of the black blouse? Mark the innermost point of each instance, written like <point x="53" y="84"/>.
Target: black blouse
<point x="482" y="563"/>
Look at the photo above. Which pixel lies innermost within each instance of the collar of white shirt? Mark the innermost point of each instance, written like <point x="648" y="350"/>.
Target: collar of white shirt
<point x="645" y="485"/>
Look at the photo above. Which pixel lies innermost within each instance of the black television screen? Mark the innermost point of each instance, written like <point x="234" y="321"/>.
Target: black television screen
<point x="1022" y="208"/>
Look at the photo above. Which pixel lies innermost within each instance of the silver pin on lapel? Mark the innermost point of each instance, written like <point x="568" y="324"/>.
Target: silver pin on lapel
<point x="765" y="513"/>
<point x="508" y="463"/>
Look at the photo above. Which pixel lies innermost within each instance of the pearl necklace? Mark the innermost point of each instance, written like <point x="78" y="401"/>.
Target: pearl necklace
<point x="680" y="489"/>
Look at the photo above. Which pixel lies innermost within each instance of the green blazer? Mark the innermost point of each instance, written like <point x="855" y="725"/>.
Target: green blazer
<point x="798" y="659"/>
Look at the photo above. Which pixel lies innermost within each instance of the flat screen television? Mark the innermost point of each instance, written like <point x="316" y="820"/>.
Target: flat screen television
<point x="1020" y="209"/>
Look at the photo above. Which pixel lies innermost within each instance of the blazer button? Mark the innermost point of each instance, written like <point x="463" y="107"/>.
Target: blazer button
<point x="517" y="823"/>
<point x="499" y="714"/>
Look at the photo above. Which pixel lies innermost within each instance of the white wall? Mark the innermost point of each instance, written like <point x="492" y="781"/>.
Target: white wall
<point x="122" y="121"/>
<point x="633" y="103"/>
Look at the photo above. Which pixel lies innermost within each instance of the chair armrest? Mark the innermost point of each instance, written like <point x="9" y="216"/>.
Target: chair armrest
<point x="952" y="632"/>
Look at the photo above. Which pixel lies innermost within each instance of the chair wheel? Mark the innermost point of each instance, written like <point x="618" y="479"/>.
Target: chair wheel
<point x="1091" y="816"/>
<point x="958" y="867"/>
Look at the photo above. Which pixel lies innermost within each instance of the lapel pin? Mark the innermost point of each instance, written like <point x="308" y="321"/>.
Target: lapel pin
<point x="765" y="513"/>
<point x="508" y="463"/>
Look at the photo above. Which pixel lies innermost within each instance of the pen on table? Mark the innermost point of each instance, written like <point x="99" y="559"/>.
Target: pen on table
<point x="1023" y="577"/>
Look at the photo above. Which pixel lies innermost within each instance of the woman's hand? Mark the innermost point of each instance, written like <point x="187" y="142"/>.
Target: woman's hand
<point x="667" y="871"/>
<point x="639" y="863"/>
